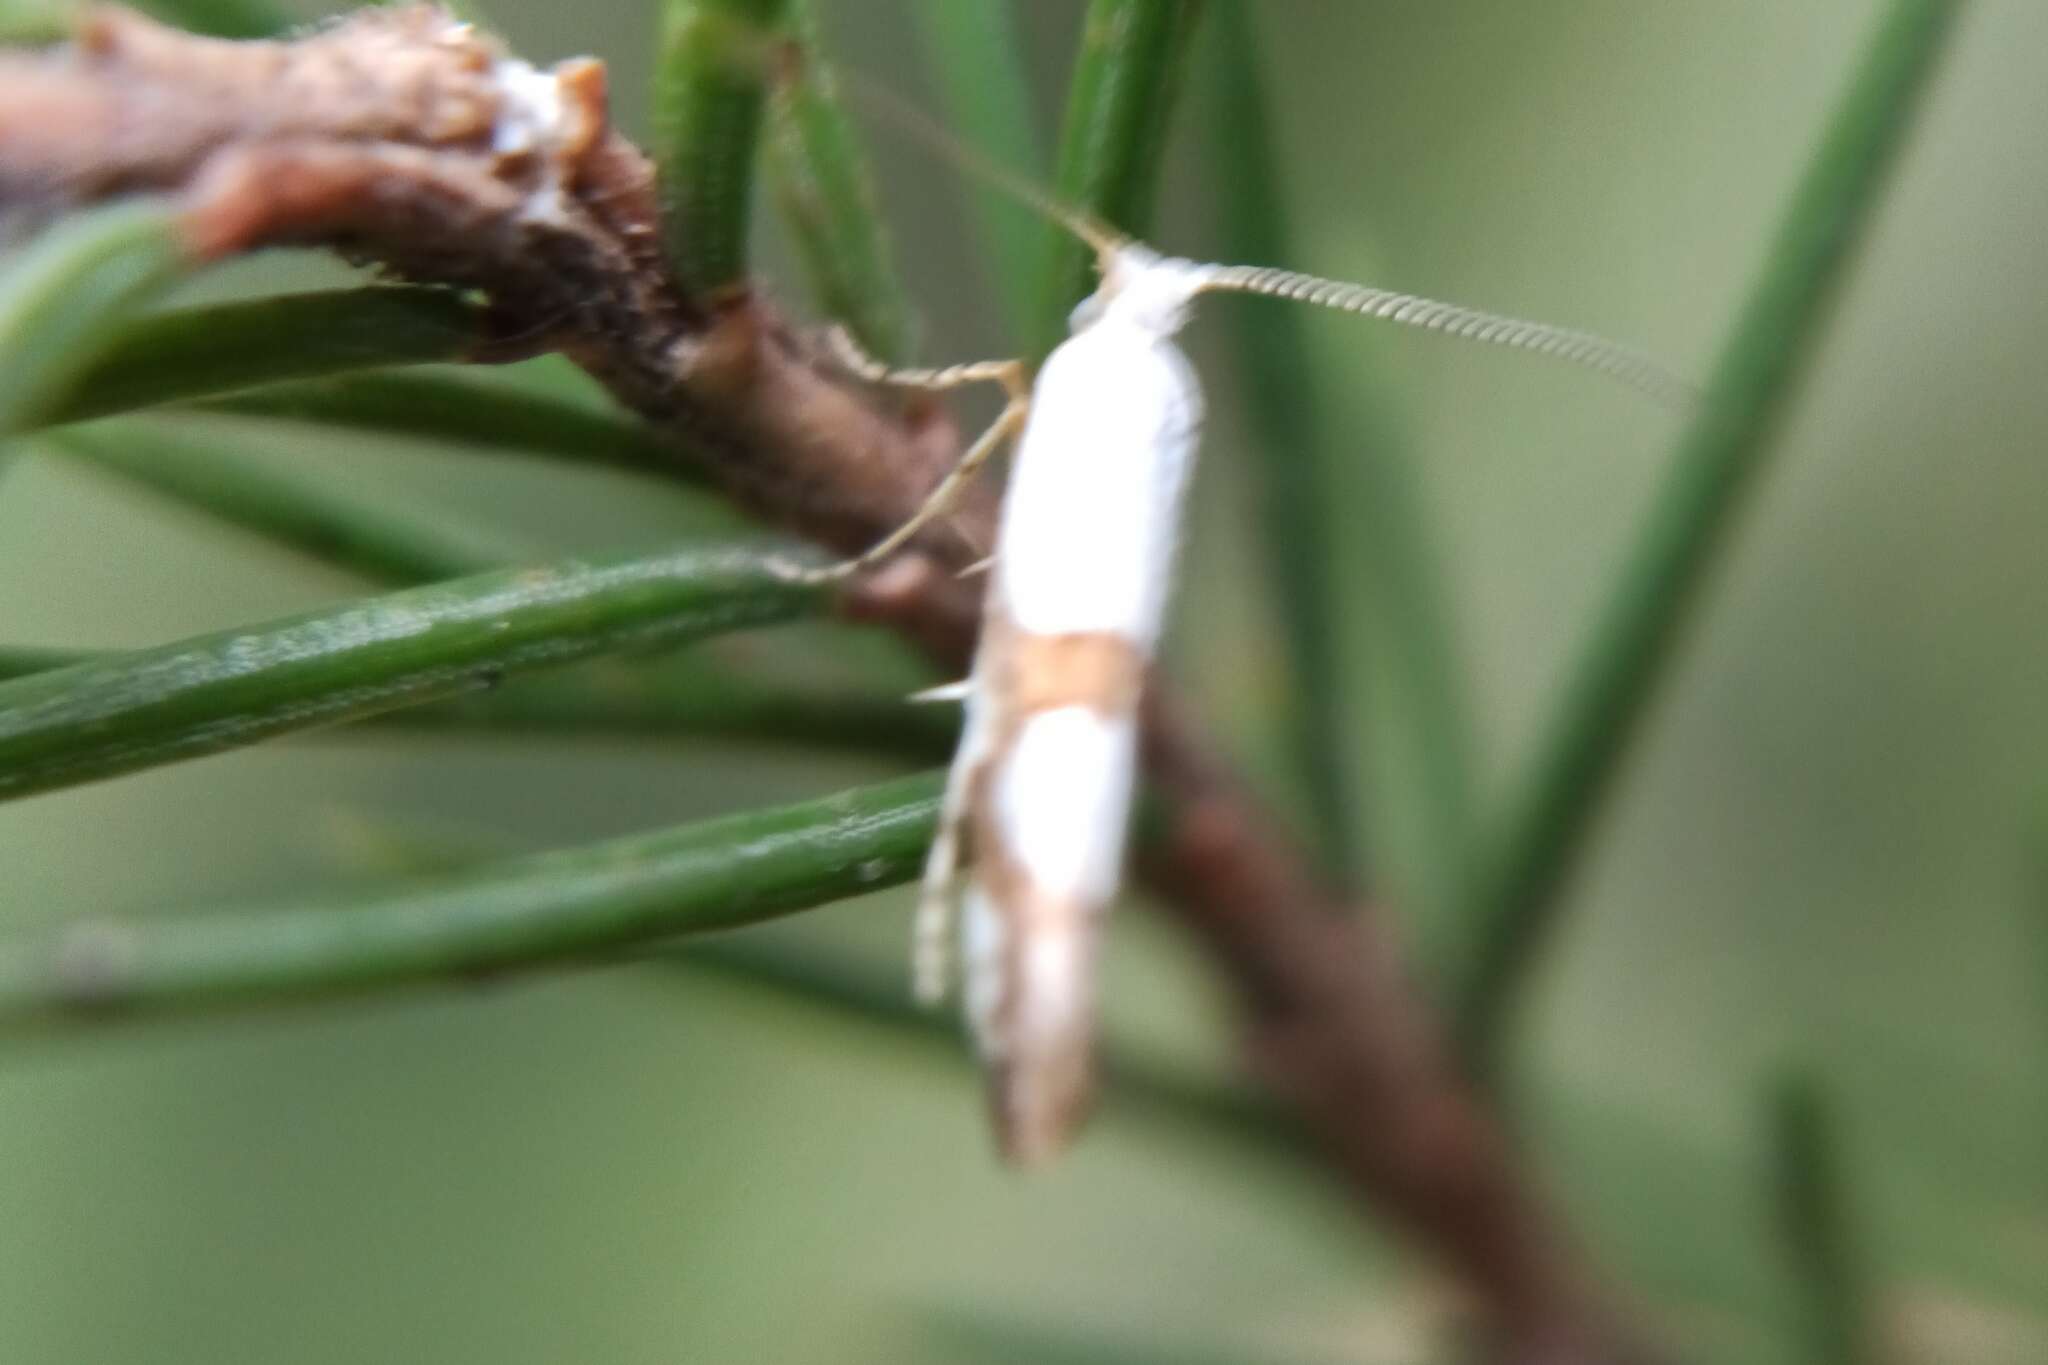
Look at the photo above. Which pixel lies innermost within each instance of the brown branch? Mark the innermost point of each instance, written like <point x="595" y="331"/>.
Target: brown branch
<point x="1336" y="1029"/>
<point x="405" y="139"/>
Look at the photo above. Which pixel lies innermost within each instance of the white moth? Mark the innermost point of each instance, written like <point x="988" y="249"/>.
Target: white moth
<point x="1040" y="793"/>
<point x="1038" y="800"/>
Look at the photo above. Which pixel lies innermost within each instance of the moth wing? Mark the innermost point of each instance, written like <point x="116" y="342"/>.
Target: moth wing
<point x="1052" y="813"/>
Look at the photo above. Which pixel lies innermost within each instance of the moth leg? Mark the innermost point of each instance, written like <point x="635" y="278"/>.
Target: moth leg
<point x="931" y="957"/>
<point x="848" y="352"/>
<point x="1008" y="373"/>
<point x="952" y="850"/>
<point x="945" y="692"/>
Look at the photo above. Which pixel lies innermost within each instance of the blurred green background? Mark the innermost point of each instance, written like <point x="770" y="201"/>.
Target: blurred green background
<point x="1827" y="851"/>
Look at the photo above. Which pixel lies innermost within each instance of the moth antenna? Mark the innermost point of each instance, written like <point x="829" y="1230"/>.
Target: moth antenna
<point x="1616" y="361"/>
<point x="1103" y="239"/>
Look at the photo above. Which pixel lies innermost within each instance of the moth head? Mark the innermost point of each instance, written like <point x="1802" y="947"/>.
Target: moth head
<point x="1141" y="288"/>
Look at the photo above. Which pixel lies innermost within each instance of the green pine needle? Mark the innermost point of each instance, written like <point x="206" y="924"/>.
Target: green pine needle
<point x="237" y="687"/>
<point x="1720" y="459"/>
<point x="64" y="298"/>
<point x="709" y="90"/>
<point x="555" y="909"/>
